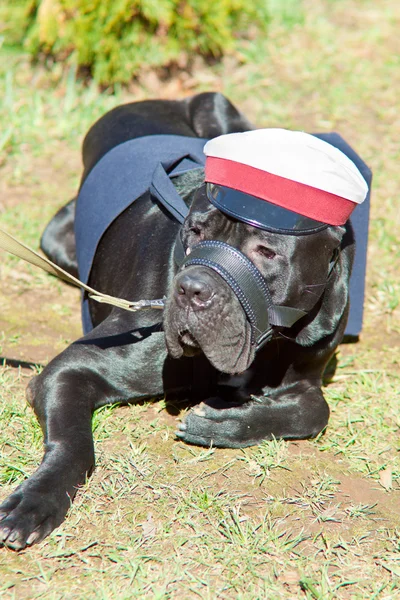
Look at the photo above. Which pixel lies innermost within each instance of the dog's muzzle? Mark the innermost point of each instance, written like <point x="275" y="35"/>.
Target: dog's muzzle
<point x="246" y="282"/>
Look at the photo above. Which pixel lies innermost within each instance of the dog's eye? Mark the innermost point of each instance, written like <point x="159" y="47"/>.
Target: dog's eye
<point x="195" y="230"/>
<point x="266" y="252"/>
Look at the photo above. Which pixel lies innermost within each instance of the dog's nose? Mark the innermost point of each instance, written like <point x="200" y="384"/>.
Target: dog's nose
<point x="192" y="290"/>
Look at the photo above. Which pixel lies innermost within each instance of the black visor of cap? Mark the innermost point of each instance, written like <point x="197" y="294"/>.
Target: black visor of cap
<point x="260" y="213"/>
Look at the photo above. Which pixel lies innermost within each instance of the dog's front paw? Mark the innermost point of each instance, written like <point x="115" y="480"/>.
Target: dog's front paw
<point x="28" y="516"/>
<point x="218" y="423"/>
<point x="299" y="413"/>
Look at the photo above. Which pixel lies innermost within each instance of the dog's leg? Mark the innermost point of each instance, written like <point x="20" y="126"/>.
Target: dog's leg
<point x="58" y="239"/>
<point x="97" y="369"/>
<point x="299" y="412"/>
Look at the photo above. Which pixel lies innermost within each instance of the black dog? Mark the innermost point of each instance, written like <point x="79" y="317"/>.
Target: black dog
<point x="204" y="351"/>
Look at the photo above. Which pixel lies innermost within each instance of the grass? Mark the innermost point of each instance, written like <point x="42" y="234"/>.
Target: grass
<point x="158" y="519"/>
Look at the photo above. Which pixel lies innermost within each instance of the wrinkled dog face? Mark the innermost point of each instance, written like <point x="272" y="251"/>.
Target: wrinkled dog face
<point x="203" y="314"/>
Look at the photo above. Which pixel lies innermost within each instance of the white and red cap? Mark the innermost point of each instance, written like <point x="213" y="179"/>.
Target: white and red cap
<point x="289" y="169"/>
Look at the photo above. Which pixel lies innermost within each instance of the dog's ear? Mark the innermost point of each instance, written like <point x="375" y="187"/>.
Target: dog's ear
<point x="211" y="114"/>
<point x="332" y="309"/>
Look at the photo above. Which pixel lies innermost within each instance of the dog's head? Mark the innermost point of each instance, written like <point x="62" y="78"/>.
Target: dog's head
<point x="202" y="311"/>
<point x="281" y="199"/>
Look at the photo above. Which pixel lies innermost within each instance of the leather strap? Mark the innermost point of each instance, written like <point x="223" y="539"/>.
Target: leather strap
<point x="12" y="245"/>
<point x="248" y="285"/>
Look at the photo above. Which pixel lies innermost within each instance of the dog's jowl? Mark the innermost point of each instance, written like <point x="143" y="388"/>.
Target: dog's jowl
<point x="246" y="234"/>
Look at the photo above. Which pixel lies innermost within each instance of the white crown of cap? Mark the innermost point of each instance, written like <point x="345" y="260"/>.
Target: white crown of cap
<point x="295" y="155"/>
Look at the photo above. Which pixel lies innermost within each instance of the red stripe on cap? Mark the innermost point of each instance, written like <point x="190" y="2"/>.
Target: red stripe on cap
<point x="298" y="197"/>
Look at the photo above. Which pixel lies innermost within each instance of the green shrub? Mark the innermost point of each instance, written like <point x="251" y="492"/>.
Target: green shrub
<point x="115" y="38"/>
<point x="15" y="18"/>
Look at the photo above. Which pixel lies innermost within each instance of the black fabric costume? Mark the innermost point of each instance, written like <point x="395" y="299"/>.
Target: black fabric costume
<point x="149" y="163"/>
